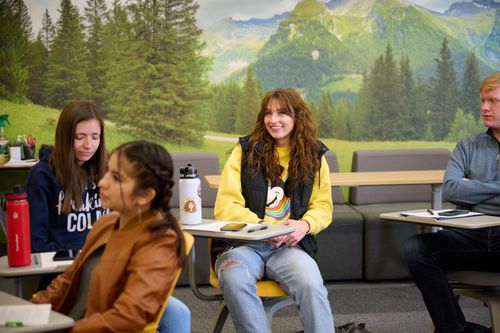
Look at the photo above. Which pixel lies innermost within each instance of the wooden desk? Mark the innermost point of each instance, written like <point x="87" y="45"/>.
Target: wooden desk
<point x="17" y="273"/>
<point x="18" y="165"/>
<point x="372" y="178"/>
<point x="57" y="321"/>
<point x="473" y="222"/>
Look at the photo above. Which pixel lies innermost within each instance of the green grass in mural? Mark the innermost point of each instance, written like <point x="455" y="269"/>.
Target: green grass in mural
<point x="41" y="122"/>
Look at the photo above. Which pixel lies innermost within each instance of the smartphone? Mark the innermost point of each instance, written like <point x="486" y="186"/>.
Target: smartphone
<point x="65" y="255"/>
<point x="233" y="227"/>
<point x="453" y="212"/>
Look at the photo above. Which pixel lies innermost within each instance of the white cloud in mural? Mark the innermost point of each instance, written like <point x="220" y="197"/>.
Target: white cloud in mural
<point x="236" y="65"/>
<point x="212" y="10"/>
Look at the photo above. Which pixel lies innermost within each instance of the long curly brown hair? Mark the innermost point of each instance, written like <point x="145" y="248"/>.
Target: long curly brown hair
<point x="304" y="141"/>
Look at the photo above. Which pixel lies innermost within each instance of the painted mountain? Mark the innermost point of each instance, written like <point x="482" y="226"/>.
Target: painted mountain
<point x="328" y="46"/>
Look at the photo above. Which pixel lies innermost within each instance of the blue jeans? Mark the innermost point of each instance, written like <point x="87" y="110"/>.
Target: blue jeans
<point x="176" y="318"/>
<point x="295" y="271"/>
<point x="429" y="256"/>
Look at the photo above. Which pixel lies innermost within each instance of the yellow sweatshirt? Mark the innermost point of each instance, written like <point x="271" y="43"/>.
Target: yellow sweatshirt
<point x="230" y="203"/>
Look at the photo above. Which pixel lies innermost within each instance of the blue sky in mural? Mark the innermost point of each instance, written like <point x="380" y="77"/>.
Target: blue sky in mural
<point x="213" y="10"/>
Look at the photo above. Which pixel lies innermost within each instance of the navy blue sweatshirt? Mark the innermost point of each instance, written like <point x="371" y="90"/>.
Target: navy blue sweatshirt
<point x="52" y="230"/>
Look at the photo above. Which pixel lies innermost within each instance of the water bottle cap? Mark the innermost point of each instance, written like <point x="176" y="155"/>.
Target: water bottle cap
<point x="189" y="172"/>
<point x="17" y="193"/>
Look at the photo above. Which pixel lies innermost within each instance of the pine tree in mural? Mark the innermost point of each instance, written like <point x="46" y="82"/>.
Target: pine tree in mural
<point x="95" y="11"/>
<point x="384" y="102"/>
<point x="444" y="93"/>
<point x="167" y="94"/>
<point x="249" y="103"/>
<point x="469" y="97"/>
<point x="359" y="118"/>
<point x="225" y="102"/>
<point x="37" y="59"/>
<point x="66" y="75"/>
<point x="120" y="64"/>
<point x="342" y="122"/>
<point x="464" y="125"/>
<point x="47" y="31"/>
<point x="15" y="31"/>
<point x="409" y="112"/>
<point x="326" y="117"/>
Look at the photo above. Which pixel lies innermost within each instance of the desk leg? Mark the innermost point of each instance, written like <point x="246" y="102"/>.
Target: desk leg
<point x="192" y="279"/>
<point x="437" y="196"/>
<point x="18" y="283"/>
<point x="437" y="200"/>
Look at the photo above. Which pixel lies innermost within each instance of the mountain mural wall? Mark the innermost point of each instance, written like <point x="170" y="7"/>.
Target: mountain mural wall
<point x="328" y="46"/>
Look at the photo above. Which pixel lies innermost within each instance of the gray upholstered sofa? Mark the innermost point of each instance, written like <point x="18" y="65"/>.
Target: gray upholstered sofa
<point x="383" y="240"/>
<point x="340" y="246"/>
<point x="357" y="245"/>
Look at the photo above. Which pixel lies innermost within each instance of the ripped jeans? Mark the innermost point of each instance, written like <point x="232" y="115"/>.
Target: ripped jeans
<point x="297" y="273"/>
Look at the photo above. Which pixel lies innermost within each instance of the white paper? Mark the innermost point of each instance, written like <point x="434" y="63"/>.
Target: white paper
<point x="215" y="226"/>
<point x="13" y="162"/>
<point x="47" y="260"/>
<point x="439" y="217"/>
<point x="32" y="314"/>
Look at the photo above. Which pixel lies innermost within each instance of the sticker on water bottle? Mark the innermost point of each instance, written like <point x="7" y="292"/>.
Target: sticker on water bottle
<point x="189" y="206"/>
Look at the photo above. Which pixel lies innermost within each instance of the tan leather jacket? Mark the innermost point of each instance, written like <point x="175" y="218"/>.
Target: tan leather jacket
<point x="130" y="282"/>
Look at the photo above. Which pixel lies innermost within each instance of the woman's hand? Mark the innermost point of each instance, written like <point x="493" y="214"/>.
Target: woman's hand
<point x="290" y="240"/>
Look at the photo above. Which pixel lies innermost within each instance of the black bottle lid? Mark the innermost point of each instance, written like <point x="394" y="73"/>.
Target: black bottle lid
<point x="189" y="172"/>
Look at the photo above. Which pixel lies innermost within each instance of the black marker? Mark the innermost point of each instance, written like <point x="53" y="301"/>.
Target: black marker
<point x="430" y="211"/>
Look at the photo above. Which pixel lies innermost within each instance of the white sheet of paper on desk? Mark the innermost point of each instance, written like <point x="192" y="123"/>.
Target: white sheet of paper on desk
<point x="47" y="260"/>
<point x="16" y="163"/>
<point x="215" y="226"/>
<point x="439" y="217"/>
<point x="32" y="314"/>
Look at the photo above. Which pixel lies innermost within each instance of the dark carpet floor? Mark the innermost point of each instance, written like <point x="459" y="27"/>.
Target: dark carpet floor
<point x="394" y="307"/>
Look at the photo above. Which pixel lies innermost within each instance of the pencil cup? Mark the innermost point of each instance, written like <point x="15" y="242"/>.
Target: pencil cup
<point x="29" y="151"/>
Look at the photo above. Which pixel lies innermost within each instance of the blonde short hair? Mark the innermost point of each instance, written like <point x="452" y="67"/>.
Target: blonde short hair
<point x="490" y="82"/>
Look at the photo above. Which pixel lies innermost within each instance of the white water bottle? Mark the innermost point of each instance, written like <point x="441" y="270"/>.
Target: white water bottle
<point x="189" y="196"/>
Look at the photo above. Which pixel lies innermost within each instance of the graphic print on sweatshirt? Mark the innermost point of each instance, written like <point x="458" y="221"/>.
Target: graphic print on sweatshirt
<point x="278" y="204"/>
<point x="90" y="211"/>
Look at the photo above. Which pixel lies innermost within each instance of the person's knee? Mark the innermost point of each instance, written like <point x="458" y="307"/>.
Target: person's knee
<point x="231" y="272"/>
<point x="414" y="248"/>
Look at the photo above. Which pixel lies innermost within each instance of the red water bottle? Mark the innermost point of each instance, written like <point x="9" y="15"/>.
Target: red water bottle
<point x="17" y="216"/>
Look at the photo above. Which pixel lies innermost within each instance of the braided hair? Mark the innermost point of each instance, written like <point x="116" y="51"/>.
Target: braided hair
<point x="152" y="167"/>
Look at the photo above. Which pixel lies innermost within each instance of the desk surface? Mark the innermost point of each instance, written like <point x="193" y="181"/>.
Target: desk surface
<point x="414" y="177"/>
<point x="57" y="321"/>
<point x="473" y="222"/>
<point x="34" y="269"/>
<point x="18" y="165"/>
<point x="206" y="229"/>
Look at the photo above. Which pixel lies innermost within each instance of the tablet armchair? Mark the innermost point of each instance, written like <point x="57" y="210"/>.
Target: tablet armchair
<point x="484" y="286"/>
<point x="152" y="327"/>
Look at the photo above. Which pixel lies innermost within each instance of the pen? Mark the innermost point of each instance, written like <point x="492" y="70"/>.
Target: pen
<point x="430" y="211"/>
<point x="264" y="227"/>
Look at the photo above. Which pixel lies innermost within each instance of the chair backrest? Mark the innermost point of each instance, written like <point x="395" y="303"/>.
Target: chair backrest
<point x="395" y="160"/>
<point x="265" y="288"/>
<point x="152" y="327"/>
<point x="331" y="158"/>
<point x="205" y="164"/>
